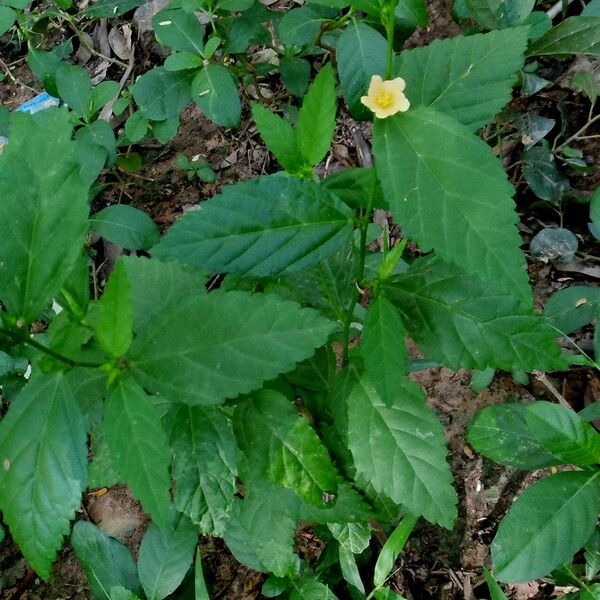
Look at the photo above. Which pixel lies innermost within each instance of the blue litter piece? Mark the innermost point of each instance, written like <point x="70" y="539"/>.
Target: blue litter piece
<point x="40" y="102"/>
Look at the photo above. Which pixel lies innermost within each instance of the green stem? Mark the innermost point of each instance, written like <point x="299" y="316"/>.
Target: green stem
<point x="389" y="30"/>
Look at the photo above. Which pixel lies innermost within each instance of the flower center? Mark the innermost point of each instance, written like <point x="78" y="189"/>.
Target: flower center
<point x="385" y="99"/>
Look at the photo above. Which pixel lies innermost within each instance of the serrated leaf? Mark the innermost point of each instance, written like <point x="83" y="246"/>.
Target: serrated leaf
<point x="205" y="466"/>
<point x="138" y="446"/>
<point x="215" y="91"/>
<point x="114" y="326"/>
<point x="465" y="322"/>
<point x="202" y="348"/>
<point x="401" y="450"/>
<point x="448" y="74"/>
<point x="316" y="120"/>
<point x="383" y="348"/>
<point x="575" y="35"/>
<point x="165" y="557"/>
<point x="282" y="224"/>
<point x="284" y="448"/>
<point x="451" y="195"/>
<point x="360" y="53"/>
<point x="107" y="563"/>
<point x="126" y="226"/>
<point x="500" y="14"/>
<point x="546" y="525"/>
<point x="43" y="215"/>
<point x="179" y="30"/>
<point x="43" y="453"/>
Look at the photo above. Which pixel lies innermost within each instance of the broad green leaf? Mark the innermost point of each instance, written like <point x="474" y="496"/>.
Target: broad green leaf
<point x="546" y="525"/>
<point x="496" y="592"/>
<point x="7" y="18"/>
<point x="136" y="128"/>
<point x="180" y="61"/>
<point x="411" y="14"/>
<point x="316" y="121"/>
<point x="594" y="226"/>
<point x="349" y="569"/>
<point x="103" y="93"/>
<point x="102" y="471"/>
<point x="161" y="94"/>
<point x="205" y="466"/>
<point x="354" y="537"/>
<point x="74" y="87"/>
<point x="114" y="326"/>
<point x="120" y="593"/>
<point x="200" y="590"/>
<point x="106" y="562"/>
<point x="592" y="556"/>
<point x="43" y="451"/>
<point x="203" y="348"/>
<point x="501" y="433"/>
<point x="500" y="14"/>
<point x="284" y="448"/>
<point x="447" y="75"/>
<point x="572" y="307"/>
<point x="354" y="185"/>
<point x="282" y="224"/>
<point x="111" y="8"/>
<point x="43" y="214"/>
<point x="451" y="195"/>
<point x="401" y="450"/>
<point x="295" y="73"/>
<point x="179" y="30"/>
<point x="465" y="322"/>
<point x="279" y="136"/>
<point x="383" y="348"/>
<point x="215" y="91"/>
<point x="309" y="589"/>
<point x="138" y="445"/>
<point x="575" y="35"/>
<point x="126" y="226"/>
<point x="360" y="54"/>
<point x="543" y="176"/>
<point x="392" y="549"/>
<point x="165" y="557"/>
<point x="563" y="433"/>
<point x="299" y="26"/>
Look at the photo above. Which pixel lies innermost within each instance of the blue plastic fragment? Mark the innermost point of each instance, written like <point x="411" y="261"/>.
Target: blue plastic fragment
<point x="40" y="102"/>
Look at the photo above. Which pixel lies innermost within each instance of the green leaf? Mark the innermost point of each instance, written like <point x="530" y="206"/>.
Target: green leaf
<point x="114" y="326"/>
<point x="451" y="195"/>
<point x="7" y="18"/>
<point x="501" y="433"/>
<point x="299" y="26"/>
<point x="354" y="185"/>
<point x="103" y="93"/>
<point x="205" y="466"/>
<point x="349" y="569"/>
<point x="106" y="562"/>
<point x="401" y="450"/>
<point x="280" y="138"/>
<point x="572" y="308"/>
<point x="126" y="226"/>
<point x="201" y="349"/>
<point x="496" y="592"/>
<point x="500" y="14"/>
<point x="201" y="592"/>
<point x="110" y="8"/>
<point x="281" y="225"/>
<point x="575" y="35"/>
<point x="309" y="589"/>
<point x="75" y="88"/>
<point x="295" y="73"/>
<point x="136" y="128"/>
<point x="138" y="445"/>
<point x="43" y="215"/>
<point x="215" y="91"/>
<point x="161" y="94"/>
<point x="383" y="348"/>
<point x="180" y="61"/>
<point x="316" y="121"/>
<point x="592" y="556"/>
<point x="43" y="451"/>
<point x="120" y="593"/>
<point x="179" y="30"/>
<point x="392" y="549"/>
<point x="543" y="176"/>
<point x="360" y="53"/>
<point x="448" y="74"/>
<point x="282" y="446"/>
<point x="465" y="322"/>
<point x="411" y="14"/>
<point x="353" y="537"/>
<point x="546" y="525"/>
<point x="165" y="557"/>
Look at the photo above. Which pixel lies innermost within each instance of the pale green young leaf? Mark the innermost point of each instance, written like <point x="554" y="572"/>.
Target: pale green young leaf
<point x="495" y="590"/>
<point x="309" y="589"/>
<point x="354" y="537"/>
<point x="360" y="54"/>
<point x="179" y="30"/>
<point x="75" y="88"/>
<point x="284" y="448"/>
<point x="451" y="195"/>
<point x="215" y="91"/>
<point x="465" y="322"/>
<point x="575" y="35"/>
<point x="205" y="466"/>
<point x="103" y="93"/>
<point x="43" y="451"/>
<point x="126" y="226"/>
<point x="349" y="569"/>
<point x="231" y="341"/>
<point x="400" y="449"/>
<point x="200" y="590"/>
<point x="546" y="525"/>
<point x="269" y="226"/>
<point x="107" y="564"/>
<point x="316" y="121"/>
<point x="165" y="557"/>
<point x="280" y="138"/>
<point x="138" y="446"/>
<point x="114" y="326"/>
<point x="383" y="348"/>
<point x="392" y="549"/>
<point x="448" y="74"/>
<point x="43" y="214"/>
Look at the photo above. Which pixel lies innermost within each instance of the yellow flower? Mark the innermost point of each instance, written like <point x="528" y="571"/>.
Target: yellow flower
<point x="386" y="98"/>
